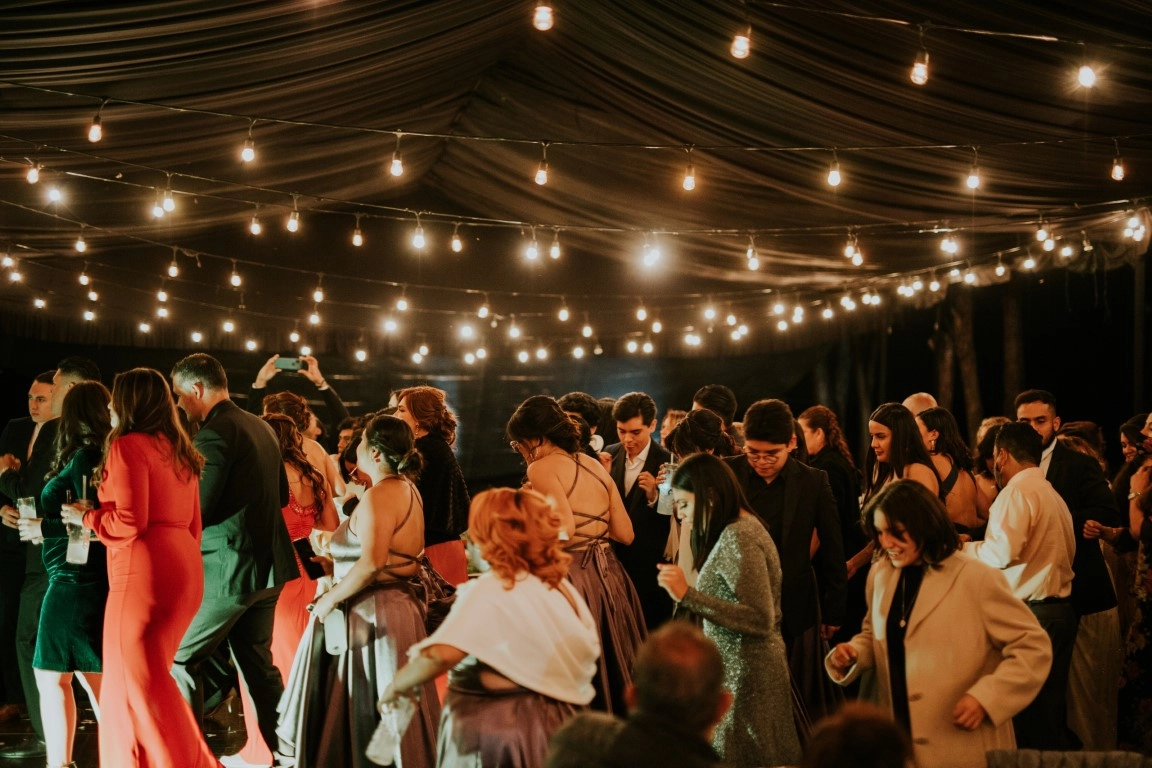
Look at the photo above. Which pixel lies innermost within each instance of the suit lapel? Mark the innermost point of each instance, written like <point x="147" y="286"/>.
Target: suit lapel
<point x="788" y="513"/>
<point x="883" y="588"/>
<point x="937" y="582"/>
<point x="618" y="472"/>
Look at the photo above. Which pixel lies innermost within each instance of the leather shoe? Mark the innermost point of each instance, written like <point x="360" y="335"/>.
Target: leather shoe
<point x="29" y="747"/>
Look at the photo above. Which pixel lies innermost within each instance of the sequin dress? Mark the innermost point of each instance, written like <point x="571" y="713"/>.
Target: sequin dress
<point x="328" y="713"/>
<point x="738" y="596"/>
<point x="600" y="579"/>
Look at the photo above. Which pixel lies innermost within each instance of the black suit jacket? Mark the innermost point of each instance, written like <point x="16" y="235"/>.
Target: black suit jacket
<point x="29" y="480"/>
<point x="242" y="489"/>
<point x="651" y="528"/>
<point x="813" y="587"/>
<point x="1081" y="483"/>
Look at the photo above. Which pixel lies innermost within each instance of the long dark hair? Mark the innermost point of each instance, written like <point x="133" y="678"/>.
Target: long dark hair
<point x="700" y="431"/>
<point x="822" y="417"/>
<point x="393" y="437"/>
<point x="292" y="451"/>
<point x="949" y="443"/>
<point x="84" y="421"/>
<point x="540" y="417"/>
<point x="909" y="505"/>
<point x="143" y="402"/>
<point x="718" y="500"/>
<point x="905" y="448"/>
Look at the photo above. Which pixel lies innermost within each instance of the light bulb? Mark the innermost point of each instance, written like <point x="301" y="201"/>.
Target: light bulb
<point x="1050" y="244"/>
<point x="1117" y="169"/>
<point x="857" y="259"/>
<point x="632" y="346"/>
<point x="357" y="237"/>
<point x="423" y="350"/>
<point x="173" y="269"/>
<point x="197" y="337"/>
<point x="709" y="313"/>
<point x="542" y="17"/>
<point x="318" y="295"/>
<point x="294" y="221"/>
<point x="80" y="245"/>
<point x="229" y="326"/>
<point x="542" y="173"/>
<point x="1041" y="232"/>
<point x="254" y="226"/>
<point x="162" y="312"/>
<point x="1066" y="251"/>
<point x="586" y="331"/>
<point x="314" y="318"/>
<point x="554" y="249"/>
<point x="39" y="303"/>
<point x="402" y="304"/>
<point x="248" y="153"/>
<point x="834" y="177"/>
<point x="361" y="355"/>
<point x="934" y="285"/>
<point x="15" y="276"/>
<point x="169" y="202"/>
<point x="157" y="210"/>
<point x="741" y="44"/>
<point x="234" y="279"/>
<point x="532" y="252"/>
<point x="642" y="314"/>
<point x="483" y="311"/>
<point x="1086" y="76"/>
<point x="84" y="279"/>
<point x="731" y="319"/>
<point x="144" y="327"/>
<point x="467" y="331"/>
<point x="1029" y="263"/>
<point x="827" y="313"/>
<point x="753" y="264"/>
<point x="778" y="308"/>
<point x="541" y="353"/>
<point x="469" y="358"/>
<point x="89" y="315"/>
<point x="917" y="285"/>
<point x="523" y="356"/>
<point x="563" y="314"/>
<point x="95" y="130"/>
<point x="396" y="167"/>
<point x="647" y="348"/>
<point x="54" y="194"/>
<point x="919" y="73"/>
<point x="578" y="352"/>
<point x="391" y="326"/>
<point x="690" y="178"/>
<point x="657" y="326"/>
<point x="418" y="240"/>
<point x="417" y="358"/>
<point x="481" y="353"/>
<point x="305" y="350"/>
<point x="294" y="337"/>
<point x="93" y="296"/>
<point x="250" y="345"/>
<point x="33" y="174"/>
<point x="161" y="295"/>
<point x="782" y="325"/>
<point x="513" y="331"/>
<point x="973" y="180"/>
<point x="457" y="243"/>
<point x="850" y="249"/>
<point x="8" y="262"/>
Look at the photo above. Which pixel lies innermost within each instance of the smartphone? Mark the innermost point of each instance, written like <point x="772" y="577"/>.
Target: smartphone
<point x="304" y="549"/>
<point x="290" y="363"/>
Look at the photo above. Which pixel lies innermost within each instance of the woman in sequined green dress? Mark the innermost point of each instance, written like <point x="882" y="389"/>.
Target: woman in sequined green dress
<point x="738" y="595"/>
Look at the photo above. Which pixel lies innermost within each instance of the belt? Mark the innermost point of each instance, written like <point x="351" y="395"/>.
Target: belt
<point x="1049" y="601"/>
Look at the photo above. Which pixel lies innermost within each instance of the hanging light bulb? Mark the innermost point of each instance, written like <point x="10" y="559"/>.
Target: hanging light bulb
<point x="973" y="180"/>
<point x="234" y="279"/>
<point x="15" y="275"/>
<point x="641" y="313"/>
<point x="390" y="325"/>
<point x="169" y="202"/>
<point x="753" y="264"/>
<point x="157" y="207"/>
<point x="418" y="241"/>
<point x="294" y="337"/>
<point x="563" y="314"/>
<point x="1067" y="251"/>
<point x="484" y="311"/>
<point x="173" y="268"/>
<point x="542" y="17"/>
<point x="33" y="174"/>
<point x="96" y="128"/>
<point x="742" y="43"/>
<point x="689" y="173"/>
<point x="396" y="167"/>
<point x="554" y="249"/>
<point x="402" y="303"/>
<point x="709" y="312"/>
<point x="834" y="177"/>
<point x="578" y="352"/>
<point x="54" y="194"/>
<point x="934" y="286"/>
<point x="651" y="251"/>
<point x="586" y="331"/>
<point x="197" y="337"/>
<point x="161" y="295"/>
<point x="1117" y="168"/>
<point x="93" y="296"/>
<point x="84" y="279"/>
<point x="248" y="151"/>
<point x="919" y="73"/>
<point x="542" y="169"/>
<point x="752" y="255"/>
<point x="467" y="331"/>
<point x="532" y="252"/>
<point x="314" y="317"/>
<point x="254" y="226"/>
<point x="1050" y="244"/>
<point x="305" y="350"/>
<point x="657" y="326"/>
<point x="513" y="329"/>
<point x="357" y="235"/>
<point x="1029" y="263"/>
<point x="80" y="245"/>
<point x="294" y="217"/>
<point x="318" y="294"/>
<point x="827" y="313"/>
<point x="89" y="315"/>
<point x="144" y="327"/>
<point x="850" y="246"/>
<point x="8" y="262"/>
<point x="457" y="243"/>
<point x="39" y="303"/>
<point x="1042" y="231"/>
<point x="361" y="355"/>
<point x="541" y="353"/>
<point x="162" y="312"/>
<point x="229" y="326"/>
<point x="1086" y="76"/>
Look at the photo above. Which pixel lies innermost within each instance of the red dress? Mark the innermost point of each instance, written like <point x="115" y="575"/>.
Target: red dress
<point x="149" y="519"/>
<point x="288" y="627"/>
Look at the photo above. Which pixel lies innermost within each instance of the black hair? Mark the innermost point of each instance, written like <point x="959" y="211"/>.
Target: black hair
<point x="582" y="403"/>
<point x="48" y="376"/>
<point x="719" y="399"/>
<point x="1021" y="441"/>
<point x="203" y="368"/>
<point x="79" y="367"/>
<point x="679" y="677"/>
<point x="949" y="442"/>
<point x="906" y="447"/>
<point x="393" y="437"/>
<point x="84" y="421"/>
<point x="770" y="421"/>
<point x="634" y="404"/>
<point x="719" y="500"/>
<point x="700" y="430"/>
<point x="539" y="417"/>
<point x="912" y="508"/>
<point x="1035" y="396"/>
<point x="858" y="734"/>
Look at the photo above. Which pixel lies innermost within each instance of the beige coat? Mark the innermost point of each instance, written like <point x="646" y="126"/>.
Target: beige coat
<point x="967" y="634"/>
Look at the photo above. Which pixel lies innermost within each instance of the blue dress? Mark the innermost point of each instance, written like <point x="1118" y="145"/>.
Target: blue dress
<point x="70" y="635"/>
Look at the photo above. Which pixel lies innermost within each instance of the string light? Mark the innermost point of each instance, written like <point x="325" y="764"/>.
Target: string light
<point x="314" y="317"/>
<point x="361" y="355"/>
<point x="80" y="245"/>
<point x="532" y="252"/>
<point x="647" y="348"/>
<point x="586" y="331"/>
<point x="657" y="326"/>
<point x="418" y="241"/>
<point x="554" y="249"/>
<point x="483" y="311"/>
<point x="250" y="345"/>
<point x="934" y="286"/>
<point x="318" y="293"/>
<point x="1086" y="244"/>
<point x="1086" y="76"/>
<point x="14" y="275"/>
<point x="254" y="226"/>
<point x="481" y="353"/>
<point x="742" y="43"/>
<point x="144" y="327"/>
<point x="457" y="243"/>
<point x="161" y="295"/>
<point x="651" y="251"/>
<point x="173" y="267"/>
<point x="402" y="303"/>
<point x="93" y="296"/>
<point x="467" y="331"/>
<point x="513" y="329"/>
<point x="390" y="325"/>
<point x="563" y="314"/>
<point x="950" y="245"/>
<point x="54" y="194"/>
<point x="973" y="181"/>
<point x="1117" y="164"/>
<point x="1029" y="263"/>
<point x="542" y="169"/>
<point x="541" y="353"/>
<point x="751" y="254"/>
<point x="1067" y="251"/>
<point x="523" y="356"/>
<point x="357" y="235"/>
<point x="228" y="326"/>
<point x="641" y="313"/>
<point x="248" y="151"/>
<point x="39" y="303"/>
<point x="162" y="312"/>
<point x="96" y="127"/>
<point x="157" y="207"/>
<point x="919" y="73"/>
<point x="1049" y="244"/>
<point x="305" y="350"/>
<point x="234" y="278"/>
<point x="396" y="167"/>
<point x="834" y="177"/>
<point x="689" y="173"/>
<point x="197" y="337"/>
<point x="578" y="352"/>
<point x="827" y="312"/>
<point x="84" y="279"/>
<point x="294" y="336"/>
<point x="169" y="202"/>
<point x="850" y="246"/>
<point x="542" y="17"/>
<point x="632" y="346"/>
<point x="89" y="315"/>
<point x="294" y="217"/>
<point x="469" y="358"/>
<point x="33" y="174"/>
<point x="709" y="311"/>
<point x="7" y="262"/>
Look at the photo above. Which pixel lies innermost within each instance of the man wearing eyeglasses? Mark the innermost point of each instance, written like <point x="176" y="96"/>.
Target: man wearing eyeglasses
<point x="796" y="503"/>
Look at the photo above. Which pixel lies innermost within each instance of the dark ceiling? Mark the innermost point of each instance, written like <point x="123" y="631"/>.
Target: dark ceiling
<point x="618" y="91"/>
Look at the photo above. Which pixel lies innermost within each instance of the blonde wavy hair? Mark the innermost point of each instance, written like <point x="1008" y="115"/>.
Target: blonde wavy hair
<point x="518" y="530"/>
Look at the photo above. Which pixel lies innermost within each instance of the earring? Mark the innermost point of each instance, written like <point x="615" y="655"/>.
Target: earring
<point x="932" y="447"/>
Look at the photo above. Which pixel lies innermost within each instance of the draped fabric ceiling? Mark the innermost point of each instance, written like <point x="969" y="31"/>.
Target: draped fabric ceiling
<point x="617" y="91"/>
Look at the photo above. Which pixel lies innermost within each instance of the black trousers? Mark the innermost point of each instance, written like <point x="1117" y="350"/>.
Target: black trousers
<point x="27" y="626"/>
<point x="1043" y="724"/>
<point x="11" y="583"/>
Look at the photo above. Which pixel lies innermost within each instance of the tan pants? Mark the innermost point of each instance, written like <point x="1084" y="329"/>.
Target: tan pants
<point x="1094" y="680"/>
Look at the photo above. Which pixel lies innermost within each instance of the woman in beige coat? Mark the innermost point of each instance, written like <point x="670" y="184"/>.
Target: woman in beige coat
<point x="956" y="654"/>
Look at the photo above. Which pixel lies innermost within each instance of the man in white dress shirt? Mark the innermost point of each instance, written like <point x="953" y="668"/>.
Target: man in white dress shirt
<point x="1030" y="539"/>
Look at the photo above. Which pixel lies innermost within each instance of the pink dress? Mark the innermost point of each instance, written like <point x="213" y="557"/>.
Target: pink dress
<point x="149" y="519"/>
<point x="288" y="627"/>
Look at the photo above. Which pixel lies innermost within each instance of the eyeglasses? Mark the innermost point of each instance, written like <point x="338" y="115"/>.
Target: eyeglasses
<point x="764" y="457"/>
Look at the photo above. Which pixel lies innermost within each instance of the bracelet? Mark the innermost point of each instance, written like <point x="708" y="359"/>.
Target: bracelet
<point x="1135" y="495"/>
<point x="323" y="384"/>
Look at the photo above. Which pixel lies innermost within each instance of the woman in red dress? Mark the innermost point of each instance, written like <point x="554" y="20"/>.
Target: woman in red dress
<point x="149" y="519"/>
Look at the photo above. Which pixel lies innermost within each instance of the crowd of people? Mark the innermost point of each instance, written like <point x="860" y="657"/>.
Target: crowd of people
<point x="711" y="598"/>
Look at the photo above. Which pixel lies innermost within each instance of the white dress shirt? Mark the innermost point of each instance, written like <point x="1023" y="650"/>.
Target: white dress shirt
<point x="633" y="467"/>
<point x="1046" y="457"/>
<point x="1029" y="537"/>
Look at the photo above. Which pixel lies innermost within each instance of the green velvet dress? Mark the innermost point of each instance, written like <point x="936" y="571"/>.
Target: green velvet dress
<point x="71" y="629"/>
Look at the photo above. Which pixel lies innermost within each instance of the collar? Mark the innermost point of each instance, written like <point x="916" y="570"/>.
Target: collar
<point x="640" y="457"/>
<point x="1025" y="474"/>
<point x="1047" y="452"/>
<point x="220" y="407"/>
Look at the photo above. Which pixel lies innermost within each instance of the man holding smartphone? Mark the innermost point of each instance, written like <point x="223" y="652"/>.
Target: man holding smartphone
<point x="308" y="367"/>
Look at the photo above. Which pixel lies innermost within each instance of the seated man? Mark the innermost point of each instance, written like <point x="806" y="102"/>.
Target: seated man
<point x="674" y="703"/>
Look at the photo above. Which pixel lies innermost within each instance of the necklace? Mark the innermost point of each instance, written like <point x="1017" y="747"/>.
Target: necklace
<point x="907" y="597"/>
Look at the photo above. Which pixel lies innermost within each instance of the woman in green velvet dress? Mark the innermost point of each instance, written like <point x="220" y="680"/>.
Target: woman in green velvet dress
<point x="68" y="640"/>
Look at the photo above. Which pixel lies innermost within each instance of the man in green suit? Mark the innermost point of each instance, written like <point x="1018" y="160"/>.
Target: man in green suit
<point x="248" y="556"/>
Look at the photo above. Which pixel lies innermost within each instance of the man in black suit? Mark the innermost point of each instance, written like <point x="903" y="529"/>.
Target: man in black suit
<point x="635" y="463"/>
<point x="23" y="467"/>
<point x="248" y="556"/>
<point x="1093" y="681"/>
<point x="796" y="503"/>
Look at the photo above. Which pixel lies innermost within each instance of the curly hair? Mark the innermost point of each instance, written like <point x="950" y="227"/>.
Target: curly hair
<point x="429" y="408"/>
<point x="518" y="530"/>
<point x="291" y="405"/>
<point x="143" y="402"/>
<point x="292" y="451"/>
<point x="823" y="418"/>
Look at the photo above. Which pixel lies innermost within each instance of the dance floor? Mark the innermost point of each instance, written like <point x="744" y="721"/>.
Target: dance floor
<point x="225" y="730"/>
